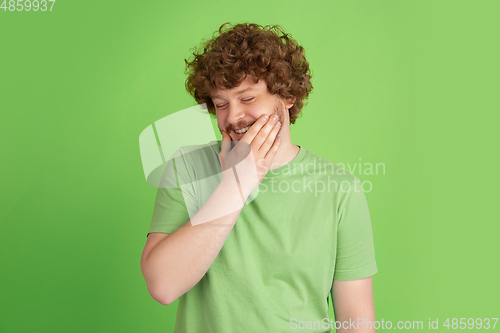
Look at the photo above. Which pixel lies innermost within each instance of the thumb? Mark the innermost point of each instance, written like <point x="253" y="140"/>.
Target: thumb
<point x="225" y="147"/>
<point x="226" y="136"/>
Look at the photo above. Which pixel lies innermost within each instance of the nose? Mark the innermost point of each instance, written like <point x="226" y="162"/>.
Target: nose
<point x="235" y="114"/>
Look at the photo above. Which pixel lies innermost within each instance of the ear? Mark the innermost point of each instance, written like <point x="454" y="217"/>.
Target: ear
<point x="289" y="102"/>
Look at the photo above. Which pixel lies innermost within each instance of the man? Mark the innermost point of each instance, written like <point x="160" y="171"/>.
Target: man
<point x="283" y="228"/>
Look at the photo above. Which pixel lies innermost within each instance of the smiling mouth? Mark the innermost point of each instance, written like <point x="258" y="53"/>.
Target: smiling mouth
<point x="243" y="130"/>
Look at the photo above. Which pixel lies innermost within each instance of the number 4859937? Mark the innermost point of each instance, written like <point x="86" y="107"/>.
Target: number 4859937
<point x="26" y="5"/>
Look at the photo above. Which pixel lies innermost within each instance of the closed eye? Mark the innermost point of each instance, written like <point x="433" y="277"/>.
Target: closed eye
<point x="221" y="106"/>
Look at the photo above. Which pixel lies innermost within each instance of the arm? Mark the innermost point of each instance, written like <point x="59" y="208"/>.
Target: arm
<point x="353" y="300"/>
<point x="172" y="264"/>
<point x="178" y="261"/>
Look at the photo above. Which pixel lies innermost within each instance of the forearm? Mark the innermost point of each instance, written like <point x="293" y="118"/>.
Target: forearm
<point x="180" y="260"/>
<point x="356" y="321"/>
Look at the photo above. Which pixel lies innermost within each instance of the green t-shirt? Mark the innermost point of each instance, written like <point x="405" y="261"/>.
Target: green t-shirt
<point x="308" y="225"/>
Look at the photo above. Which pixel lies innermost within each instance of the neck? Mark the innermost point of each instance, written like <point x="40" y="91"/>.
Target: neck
<point x="285" y="154"/>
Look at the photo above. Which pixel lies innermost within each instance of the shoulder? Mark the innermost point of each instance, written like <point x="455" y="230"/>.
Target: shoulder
<point x="197" y="150"/>
<point x="201" y="160"/>
<point x="313" y="163"/>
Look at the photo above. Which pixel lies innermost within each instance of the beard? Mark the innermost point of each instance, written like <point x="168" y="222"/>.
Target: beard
<point x="279" y="109"/>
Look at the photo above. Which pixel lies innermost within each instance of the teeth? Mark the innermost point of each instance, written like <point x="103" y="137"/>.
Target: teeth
<point x="243" y="130"/>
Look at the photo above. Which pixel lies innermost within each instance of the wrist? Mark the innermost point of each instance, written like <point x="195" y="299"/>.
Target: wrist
<point x="236" y="185"/>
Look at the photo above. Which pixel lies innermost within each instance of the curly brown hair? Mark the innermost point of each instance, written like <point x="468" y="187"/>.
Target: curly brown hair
<point x="250" y="49"/>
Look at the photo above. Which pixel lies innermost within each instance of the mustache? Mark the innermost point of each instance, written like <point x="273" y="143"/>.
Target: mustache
<point x="279" y="109"/>
<point x="240" y="125"/>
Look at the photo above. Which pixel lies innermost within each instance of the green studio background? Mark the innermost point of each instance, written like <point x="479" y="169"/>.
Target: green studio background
<point x="410" y="85"/>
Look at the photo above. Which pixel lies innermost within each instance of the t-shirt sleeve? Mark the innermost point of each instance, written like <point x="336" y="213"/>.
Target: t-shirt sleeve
<point x="170" y="212"/>
<point x="355" y="251"/>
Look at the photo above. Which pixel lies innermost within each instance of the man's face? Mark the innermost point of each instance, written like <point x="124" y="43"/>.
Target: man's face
<point x="240" y="107"/>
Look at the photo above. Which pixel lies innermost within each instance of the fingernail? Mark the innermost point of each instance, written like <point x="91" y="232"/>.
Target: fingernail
<point x="266" y="117"/>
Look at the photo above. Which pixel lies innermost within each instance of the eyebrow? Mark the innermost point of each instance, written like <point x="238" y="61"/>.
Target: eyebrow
<point x="238" y="92"/>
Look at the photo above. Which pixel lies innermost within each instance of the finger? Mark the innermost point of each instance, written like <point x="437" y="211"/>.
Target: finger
<point x="254" y="129"/>
<point x="269" y="140"/>
<point x="274" y="149"/>
<point x="264" y="131"/>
